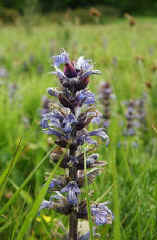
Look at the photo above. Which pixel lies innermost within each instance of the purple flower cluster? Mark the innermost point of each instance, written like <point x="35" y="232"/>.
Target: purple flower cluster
<point x="130" y="118"/>
<point x="45" y="105"/>
<point x="105" y="98"/>
<point x="67" y="123"/>
<point x="135" y="116"/>
<point x="141" y="112"/>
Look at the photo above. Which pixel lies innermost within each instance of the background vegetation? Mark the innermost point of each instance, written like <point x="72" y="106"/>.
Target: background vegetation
<point x="127" y="57"/>
<point x="138" y="6"/>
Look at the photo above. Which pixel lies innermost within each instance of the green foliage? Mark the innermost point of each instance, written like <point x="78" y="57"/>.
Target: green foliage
<point x="138" y="6"/>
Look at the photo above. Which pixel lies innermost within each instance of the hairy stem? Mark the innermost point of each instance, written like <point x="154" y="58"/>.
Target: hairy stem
<point x="73" y="221"/>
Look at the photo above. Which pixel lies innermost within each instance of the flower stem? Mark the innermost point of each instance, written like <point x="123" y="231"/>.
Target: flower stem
<point x="73" y="224"/>
<point x="73" y="221"/>
<point x="87" y="197"/>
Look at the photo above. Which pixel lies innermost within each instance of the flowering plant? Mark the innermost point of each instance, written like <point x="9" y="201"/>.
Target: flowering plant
<point x="105" y="97"/>
<point x="67" y="122"/>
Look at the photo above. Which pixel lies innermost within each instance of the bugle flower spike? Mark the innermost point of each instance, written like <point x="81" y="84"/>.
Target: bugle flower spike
<point x="67" y="123"/>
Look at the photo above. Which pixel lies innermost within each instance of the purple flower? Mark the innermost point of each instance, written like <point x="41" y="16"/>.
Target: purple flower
<point x="91" y="161"/>
<point x="52" y="131"/>
<point x="76" y="74"/>
<point x="58" y="124"/>
<point x="68" y="122"/>
<point x="72" y="189"/>
<point x="100" y="133"/>
<point x="130" y="115"/>
<point x="57" y="183"/>
<point x="141" y="113"/>
<point x="63" y="58"/>
<point x="97" y="120"/>
<point x="45" y="105"/>
<point x="106" y="123"/>
<point x="60" y="203"/>
<point x="60" y="75"/>
<point x="53" y="92"/>
<point x="105" y="98"/>
<point x="85" y="97"/>
<point x="71" y="101"/>
<point x="53" y="183"/>
<point x="105" y="91"/>
<point x="101" y="214"/>
<point x="130" y="118"/>
<point x="92" y="158"/>
<point x="85" y="136"/>
<point x="67" y="126"/>
<point x="87" y="74"/>
<point x="44" y="123"/>
<point x="83" y="65"/>
<point x="46" y="204"/>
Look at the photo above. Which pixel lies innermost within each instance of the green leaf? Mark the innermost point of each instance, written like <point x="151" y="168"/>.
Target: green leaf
<point x="5" y="226"/>
<point x="33" y="212"/>
<point x="8" y="170"/>
<point x="25" y="195"/>
<point x="13" y="198"/>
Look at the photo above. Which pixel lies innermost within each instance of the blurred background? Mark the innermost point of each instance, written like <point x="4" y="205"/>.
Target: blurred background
<point x="11" y="10"/>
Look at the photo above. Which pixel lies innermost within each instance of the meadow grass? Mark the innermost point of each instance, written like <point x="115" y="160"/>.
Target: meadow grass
<point x="129" y="179"/>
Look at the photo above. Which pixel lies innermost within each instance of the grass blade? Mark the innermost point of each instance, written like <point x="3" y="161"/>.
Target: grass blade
<point x="29" y="218"/>
<point x="13" y="198"/>
<point x="8" y="170"/>
<point x="25" y="195"/>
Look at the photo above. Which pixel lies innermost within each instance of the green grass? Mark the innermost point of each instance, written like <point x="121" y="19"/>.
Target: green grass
<point x="129" y="179"/>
